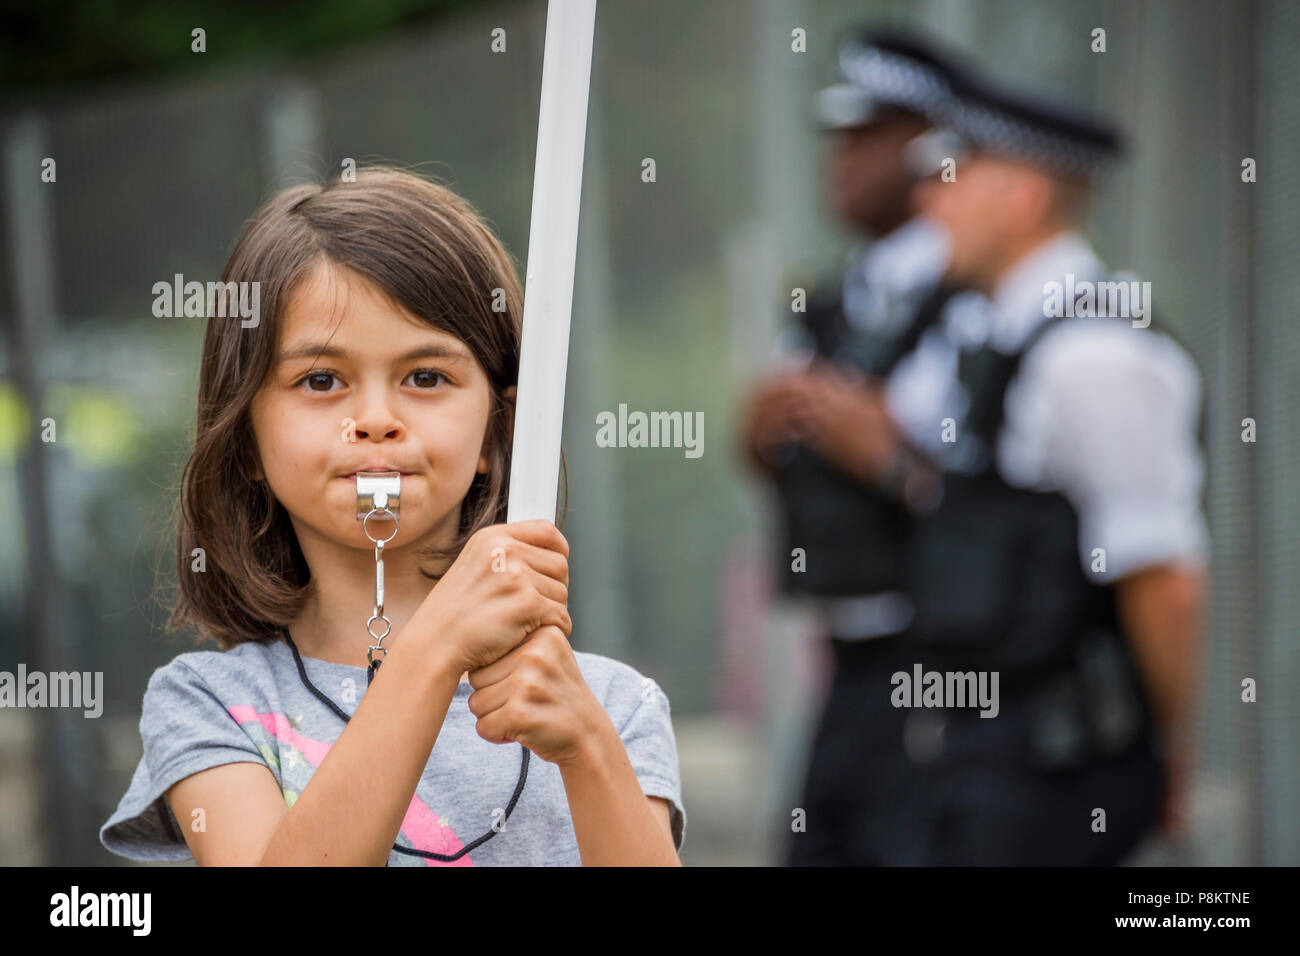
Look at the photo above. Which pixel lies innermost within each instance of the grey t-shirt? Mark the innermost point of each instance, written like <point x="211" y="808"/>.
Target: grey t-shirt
<point x="207" y="708"/>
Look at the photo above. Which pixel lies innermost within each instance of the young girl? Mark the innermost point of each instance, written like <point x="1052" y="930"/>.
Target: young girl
<point x="388" y="340"/>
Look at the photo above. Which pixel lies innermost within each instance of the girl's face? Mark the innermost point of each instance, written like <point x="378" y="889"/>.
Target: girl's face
<point x="357" y="384"/>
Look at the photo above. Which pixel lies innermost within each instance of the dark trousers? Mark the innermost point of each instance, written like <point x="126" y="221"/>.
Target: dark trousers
<point x="981" y="801"/>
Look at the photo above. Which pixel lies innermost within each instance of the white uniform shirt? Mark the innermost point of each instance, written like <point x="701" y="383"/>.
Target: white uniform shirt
<point x="885" y="281"/>
<point x="1100" y="410"/>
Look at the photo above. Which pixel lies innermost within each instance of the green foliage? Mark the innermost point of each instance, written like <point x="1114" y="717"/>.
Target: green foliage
<point x="76" y="42"/>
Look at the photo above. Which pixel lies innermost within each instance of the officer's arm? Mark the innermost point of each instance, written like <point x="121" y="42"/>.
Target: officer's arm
<point x="1161" y="611"/>
<point x="1119" y="410"/>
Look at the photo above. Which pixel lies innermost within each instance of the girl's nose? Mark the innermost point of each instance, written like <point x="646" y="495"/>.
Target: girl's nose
<point x="393" y="431"/>
<point x="377" y="421"/>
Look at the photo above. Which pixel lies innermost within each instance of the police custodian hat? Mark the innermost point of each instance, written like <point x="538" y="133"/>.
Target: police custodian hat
<point x="979" y="115"/>
<point x="882" y="71"/>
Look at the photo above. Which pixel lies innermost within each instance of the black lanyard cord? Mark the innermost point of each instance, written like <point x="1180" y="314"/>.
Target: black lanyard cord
<point x="412" y="851"/>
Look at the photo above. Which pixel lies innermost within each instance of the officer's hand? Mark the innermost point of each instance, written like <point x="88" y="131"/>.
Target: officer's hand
<point x="845" y="420"/>
<point x="769" y="417"/>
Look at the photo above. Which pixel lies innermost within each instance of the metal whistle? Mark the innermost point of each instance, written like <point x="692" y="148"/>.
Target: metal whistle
<point x="379" y="493"/>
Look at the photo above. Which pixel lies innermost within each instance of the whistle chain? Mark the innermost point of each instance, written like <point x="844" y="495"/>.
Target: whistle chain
<point x="378" y="494"/>
<point x="378" y="614"/>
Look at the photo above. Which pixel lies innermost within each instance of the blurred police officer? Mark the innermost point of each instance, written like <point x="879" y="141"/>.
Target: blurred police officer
<point x="1059" y="542"/>
<point x="856" y="326"/>
<point x="840" y="538"/>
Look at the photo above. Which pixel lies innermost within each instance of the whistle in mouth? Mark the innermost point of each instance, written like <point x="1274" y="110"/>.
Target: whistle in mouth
<point x="377" y="491"/>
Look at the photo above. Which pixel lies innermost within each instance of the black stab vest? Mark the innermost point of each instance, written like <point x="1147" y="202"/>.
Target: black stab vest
<point x="995" y="575"/>
<point x="850" y="535"/>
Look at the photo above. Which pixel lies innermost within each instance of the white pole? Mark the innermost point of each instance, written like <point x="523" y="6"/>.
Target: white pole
<point x="552" y="252"/>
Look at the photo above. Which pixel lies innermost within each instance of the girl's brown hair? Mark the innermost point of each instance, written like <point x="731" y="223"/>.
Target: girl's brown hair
<point x="433" y="255"/>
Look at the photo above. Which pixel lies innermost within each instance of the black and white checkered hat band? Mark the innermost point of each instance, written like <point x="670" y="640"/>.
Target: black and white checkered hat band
<point x="999" y="132"/>
<point x="895" y="79"/>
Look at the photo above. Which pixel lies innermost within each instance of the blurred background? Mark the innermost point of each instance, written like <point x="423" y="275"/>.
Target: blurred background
<point x="682" y="287"/>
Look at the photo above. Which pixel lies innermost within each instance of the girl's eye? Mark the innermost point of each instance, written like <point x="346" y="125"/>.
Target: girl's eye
<point x="425" y="377"/>
<point x="317" y="377"/>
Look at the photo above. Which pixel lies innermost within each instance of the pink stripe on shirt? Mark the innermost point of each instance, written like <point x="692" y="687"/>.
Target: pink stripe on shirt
<point x="423" y="828"/>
